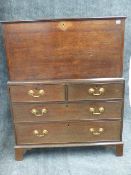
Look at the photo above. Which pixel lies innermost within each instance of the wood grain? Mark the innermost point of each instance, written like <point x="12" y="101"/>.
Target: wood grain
<point x="44" y="50"/>
<point x="81" y="91"/>
<point x="68" y="132"/>
<point x="119" y="150"/>
<point x="19" y="153"/>
<point x="66" y="112"/>
<point x="65" y="58"/>
<point x="51" y="93"/>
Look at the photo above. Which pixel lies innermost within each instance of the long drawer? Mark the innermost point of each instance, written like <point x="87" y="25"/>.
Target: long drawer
<point x="37" y="92"/>
<point x="94" y="91"/>
<point x="68" y="132"/>
<point x="36" y="112"/>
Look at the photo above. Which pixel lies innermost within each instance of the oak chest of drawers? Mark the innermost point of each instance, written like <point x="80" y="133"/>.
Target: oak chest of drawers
<point x="65" y="82"/>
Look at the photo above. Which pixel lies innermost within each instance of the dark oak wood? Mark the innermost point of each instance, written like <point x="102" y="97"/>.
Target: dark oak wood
<point x="106" y="143"/>
<point x="68" y="81"/>
<point x="119" y="150"/>
<point x="65" y="58"/>
<point x="19" y="152"/>
<point x="29" y="147"/>
<point x="81" y="91"/>
<point x="68" y="132"/>
<point x="72" y="111"/>
<point x="51" y="93"/>
<point x="56" y="92"/>
<point x="46" y="50"/>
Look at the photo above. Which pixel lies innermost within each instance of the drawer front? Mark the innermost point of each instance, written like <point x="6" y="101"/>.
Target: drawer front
<point x="64" y="49"/>
<point x="72" y="111"/>
<point x="95" y="91"/>
<point x="64" y="132"/>
<point x="43" y="93"/>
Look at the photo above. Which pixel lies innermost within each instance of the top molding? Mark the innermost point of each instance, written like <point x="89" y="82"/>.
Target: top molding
<point x="66" y="19"/>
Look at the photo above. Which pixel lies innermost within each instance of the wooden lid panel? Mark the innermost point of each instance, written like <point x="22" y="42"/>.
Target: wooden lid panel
<point x="64" y="49"/>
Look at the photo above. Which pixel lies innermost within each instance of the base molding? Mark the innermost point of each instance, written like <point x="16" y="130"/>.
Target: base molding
<point x="21" y="149"/>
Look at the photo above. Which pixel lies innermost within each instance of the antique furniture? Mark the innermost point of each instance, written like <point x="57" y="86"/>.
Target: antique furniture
<point x="65" y="82"/>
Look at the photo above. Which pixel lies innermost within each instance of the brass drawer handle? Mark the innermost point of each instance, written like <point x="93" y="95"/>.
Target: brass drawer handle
<point x="38" y="113"/>
<point x="93" y="110"/>
<point x="36" y="94"/>
<point x="96" y="132"/>
<point x="37" y="133"/>
<point x="96" y="92"/>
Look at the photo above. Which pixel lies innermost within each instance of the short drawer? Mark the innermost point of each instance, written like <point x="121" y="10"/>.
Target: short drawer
<point x="95" y="91"/>
<point x="28" y="93"/>
<point x="68" y="132"/>
<point x="25" y="112"/>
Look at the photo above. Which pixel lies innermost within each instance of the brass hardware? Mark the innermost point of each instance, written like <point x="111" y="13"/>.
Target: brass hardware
<point x="95" y="132"/>
<point x="96" y="91"/>
<point x="39" y="113"/>
<point x="37" y="93"/>
<point x="100" y="109"/>
<point x="64" y="25"/>
<point x="44" y="132"/>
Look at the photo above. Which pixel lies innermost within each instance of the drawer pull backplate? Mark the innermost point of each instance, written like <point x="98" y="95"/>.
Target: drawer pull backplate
<point x="39" y="113"/>
<point x="40" y="134"/>
<point x="96" y="91"/>
<point x="96" y="132"/>
<point x="100" y="110"/>
<point x="36" y="94"/>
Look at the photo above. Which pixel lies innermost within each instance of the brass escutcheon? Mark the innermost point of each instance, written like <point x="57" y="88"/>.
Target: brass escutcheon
<point x="64" y="25"/>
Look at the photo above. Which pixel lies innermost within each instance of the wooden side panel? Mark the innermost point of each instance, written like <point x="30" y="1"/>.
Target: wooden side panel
<point x="64" y="49"/>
